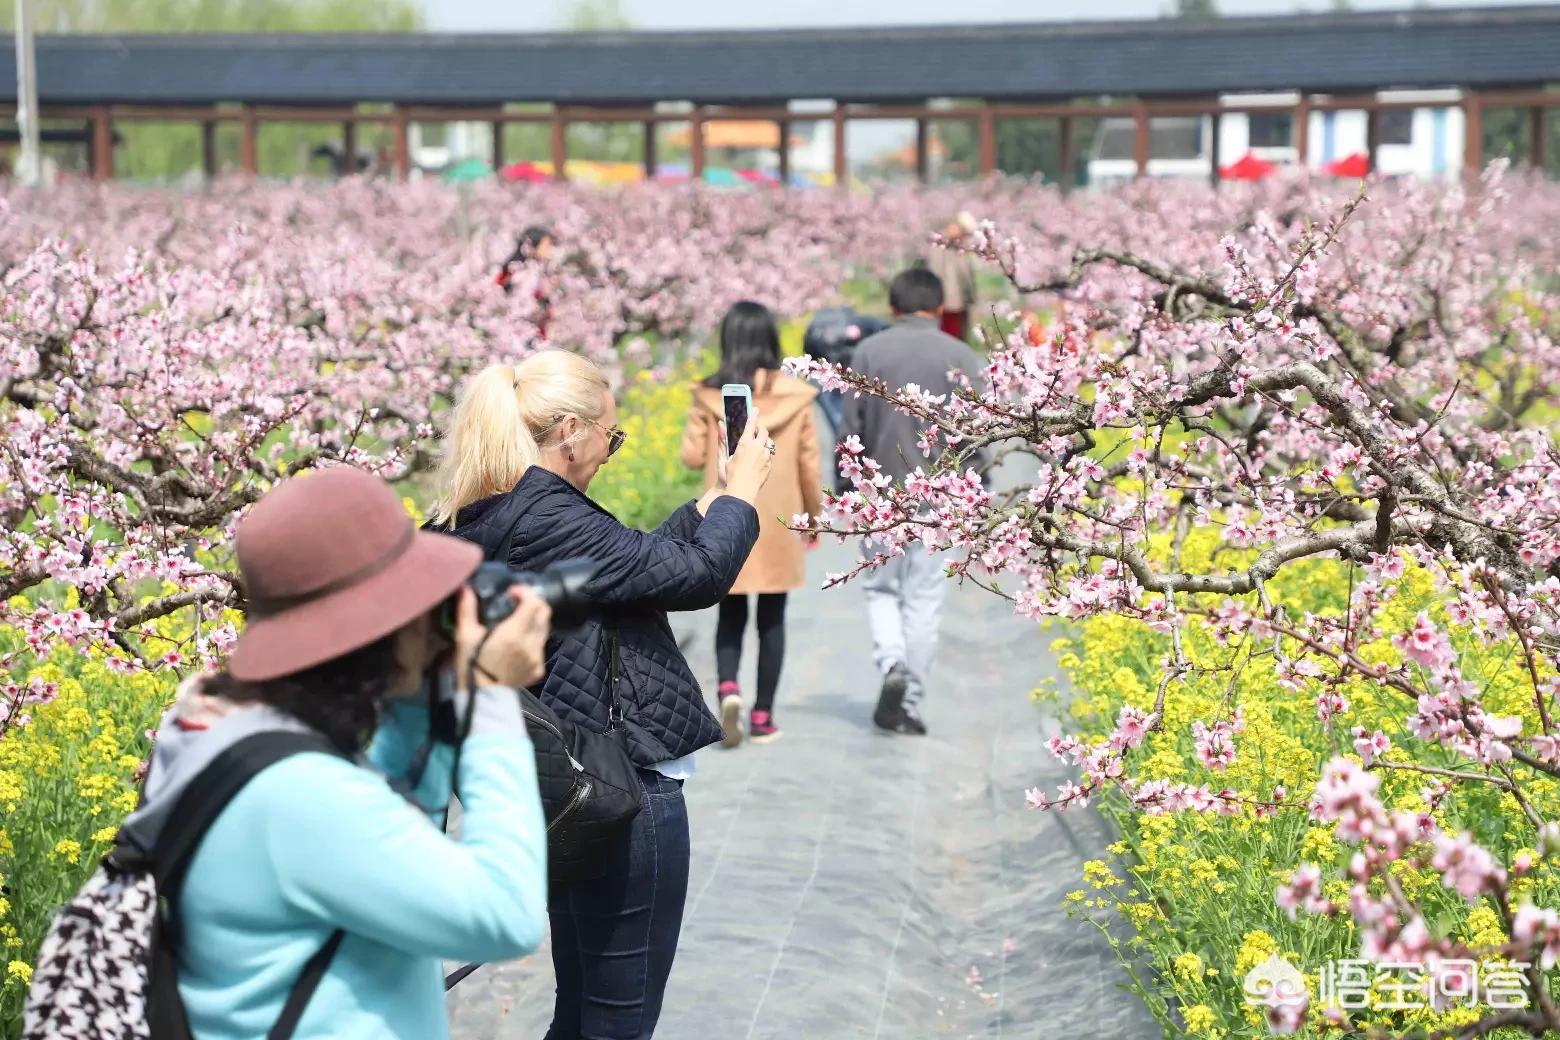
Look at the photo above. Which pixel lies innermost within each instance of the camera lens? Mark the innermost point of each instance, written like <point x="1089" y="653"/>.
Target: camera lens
<point x="561" y="586"/>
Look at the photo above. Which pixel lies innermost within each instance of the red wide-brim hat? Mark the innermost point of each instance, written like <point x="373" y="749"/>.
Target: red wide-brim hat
<point x="331" y="563"/>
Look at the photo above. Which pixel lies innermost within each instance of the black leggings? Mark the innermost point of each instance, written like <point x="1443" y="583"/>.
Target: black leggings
<point x="771" y="642"/>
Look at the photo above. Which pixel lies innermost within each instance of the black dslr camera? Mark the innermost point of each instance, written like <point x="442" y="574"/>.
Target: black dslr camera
<point x="561" y="586"/>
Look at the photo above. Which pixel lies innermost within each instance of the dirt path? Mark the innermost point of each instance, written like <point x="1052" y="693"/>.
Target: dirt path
<point x="850" y="884"/>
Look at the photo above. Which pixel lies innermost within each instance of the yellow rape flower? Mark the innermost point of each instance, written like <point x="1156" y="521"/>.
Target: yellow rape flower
<point x="20" y="971"/>
<point x="1199" y="1018"/>
<point x="1097" y="873"/>
<point x="97" y="785"/>
<point x="1188" y="966"/>
<point x="1140" y="914"/>
<point x="68" y="849"/>
<point x="1255" y="947"/>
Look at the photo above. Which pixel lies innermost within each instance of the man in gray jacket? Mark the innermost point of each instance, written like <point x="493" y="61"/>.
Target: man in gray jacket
<point x="904" y="595"/>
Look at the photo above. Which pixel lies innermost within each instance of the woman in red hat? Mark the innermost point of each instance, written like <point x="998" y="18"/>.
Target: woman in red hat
<point x="318" y="855"/>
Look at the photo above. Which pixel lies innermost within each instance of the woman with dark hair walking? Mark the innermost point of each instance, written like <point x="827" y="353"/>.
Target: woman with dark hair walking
<point x="750" y="353"/>
<point x="535" y="245"/>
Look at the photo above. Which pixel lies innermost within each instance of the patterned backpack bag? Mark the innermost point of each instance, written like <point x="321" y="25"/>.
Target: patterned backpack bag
<point x="107" y="968"/>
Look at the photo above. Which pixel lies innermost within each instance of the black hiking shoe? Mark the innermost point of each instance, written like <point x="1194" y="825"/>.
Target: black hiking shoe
<point x="890" y="713"/>
<point x="912" y="721"/>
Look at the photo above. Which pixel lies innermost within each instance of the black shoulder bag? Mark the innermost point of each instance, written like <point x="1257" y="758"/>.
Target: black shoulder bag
<point x="592" y="791"/>
<point x="589" y="786"/>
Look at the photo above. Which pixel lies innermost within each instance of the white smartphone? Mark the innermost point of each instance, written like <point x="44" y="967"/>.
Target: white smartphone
<point x="738" y="401"/>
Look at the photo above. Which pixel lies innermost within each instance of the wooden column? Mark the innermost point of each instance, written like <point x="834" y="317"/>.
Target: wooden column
<point x="498" y="145"/>
<point x="696" y="144"/>
<point x="1473" y="134"/>
<point x="208" y="148"/>
<point x="102" y="144"/>
<point x="1536" y="137"/>
<point x="841" y="166"/>
<point x="650" y="158"/>
<point x="988" y="139"/>
<point x="1372" y="137"/>
<point x="1215" y="123"/>
<point x="560" y="146"/>
<point x="248" y="145"/>
<point x="348" y="148"/>
<point x="1064" y="129"/>
<point x="1301" y="134"/>
<point x="785" y="153"/>
<point x="1140" y="139"/>
<point x="401" y="126"/>
<point x="922" y="153"/>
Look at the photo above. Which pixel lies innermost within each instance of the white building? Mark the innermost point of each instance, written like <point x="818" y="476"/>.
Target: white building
<point x="1423" y="141"/>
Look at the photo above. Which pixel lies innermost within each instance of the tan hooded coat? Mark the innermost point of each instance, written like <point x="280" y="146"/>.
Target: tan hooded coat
<point x="784" y="406"/>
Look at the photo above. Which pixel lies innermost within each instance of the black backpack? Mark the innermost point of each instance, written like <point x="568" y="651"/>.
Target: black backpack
<point x="107" y="969"/>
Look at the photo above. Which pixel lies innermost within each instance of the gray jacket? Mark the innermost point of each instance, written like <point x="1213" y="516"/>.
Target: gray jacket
<point x="912" y="350"/>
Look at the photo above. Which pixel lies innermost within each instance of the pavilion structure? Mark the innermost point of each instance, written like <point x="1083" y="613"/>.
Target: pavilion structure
<point x="1479" y="58"/>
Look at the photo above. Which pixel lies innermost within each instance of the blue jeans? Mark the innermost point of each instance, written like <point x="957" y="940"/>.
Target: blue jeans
<point x="614" y="937"/>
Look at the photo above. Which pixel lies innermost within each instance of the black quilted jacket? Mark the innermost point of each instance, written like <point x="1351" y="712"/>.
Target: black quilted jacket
<point x="688" y="563"/>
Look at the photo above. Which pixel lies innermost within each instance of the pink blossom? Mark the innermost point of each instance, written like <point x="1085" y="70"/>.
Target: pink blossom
<point x="1304" y="891"/>
<point x="1531" y="926"/>
<point x="1370" y="746"/>
<point x="1465" y="866"/>
<point x="1425" y="643"/>
<point x="1215" y="745"/>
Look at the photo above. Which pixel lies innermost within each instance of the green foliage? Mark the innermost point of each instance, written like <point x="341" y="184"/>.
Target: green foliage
<point x="1196" y="9"/>
<point x="596" y="16"/>
<point x="238" y="16"/>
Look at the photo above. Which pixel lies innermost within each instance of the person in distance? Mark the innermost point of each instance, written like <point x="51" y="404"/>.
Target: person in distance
<point x="905" y="594"/>
<point x="750" y="354"/>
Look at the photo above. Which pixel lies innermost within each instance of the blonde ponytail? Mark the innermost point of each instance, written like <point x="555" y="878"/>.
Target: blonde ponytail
<point x="502" y="416"/>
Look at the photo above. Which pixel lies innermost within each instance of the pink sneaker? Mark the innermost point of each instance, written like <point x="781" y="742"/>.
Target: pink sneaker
<point x="762" y="728"/>
<point x="730" y="714"/>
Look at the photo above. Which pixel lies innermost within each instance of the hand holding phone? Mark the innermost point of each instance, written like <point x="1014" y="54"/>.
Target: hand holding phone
<point x="752" y="457"/>
<point x="737" y="403"/>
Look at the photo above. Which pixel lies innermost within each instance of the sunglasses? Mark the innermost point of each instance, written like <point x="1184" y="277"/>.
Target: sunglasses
<point x="616" y="436"/>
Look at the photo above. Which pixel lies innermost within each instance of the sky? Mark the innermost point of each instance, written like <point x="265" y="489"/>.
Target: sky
<point x="524" y="15"/>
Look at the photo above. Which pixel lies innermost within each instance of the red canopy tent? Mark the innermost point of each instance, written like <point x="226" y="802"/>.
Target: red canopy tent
<point x="525" y="171"/>
<point x="1356" y="165"/>
<point x="1249" y="167"/>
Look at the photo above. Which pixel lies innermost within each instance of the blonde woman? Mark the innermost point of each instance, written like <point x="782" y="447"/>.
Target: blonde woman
<point x="523" y="446"/>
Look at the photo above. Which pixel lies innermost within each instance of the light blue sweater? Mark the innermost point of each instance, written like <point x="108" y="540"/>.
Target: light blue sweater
<point x="315" y="843"/>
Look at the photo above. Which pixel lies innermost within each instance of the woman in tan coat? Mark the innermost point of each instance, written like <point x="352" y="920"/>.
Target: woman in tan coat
<point x="750" y="353"/>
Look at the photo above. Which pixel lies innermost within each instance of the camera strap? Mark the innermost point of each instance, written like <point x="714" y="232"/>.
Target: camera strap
<point x="614" y="673"/>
